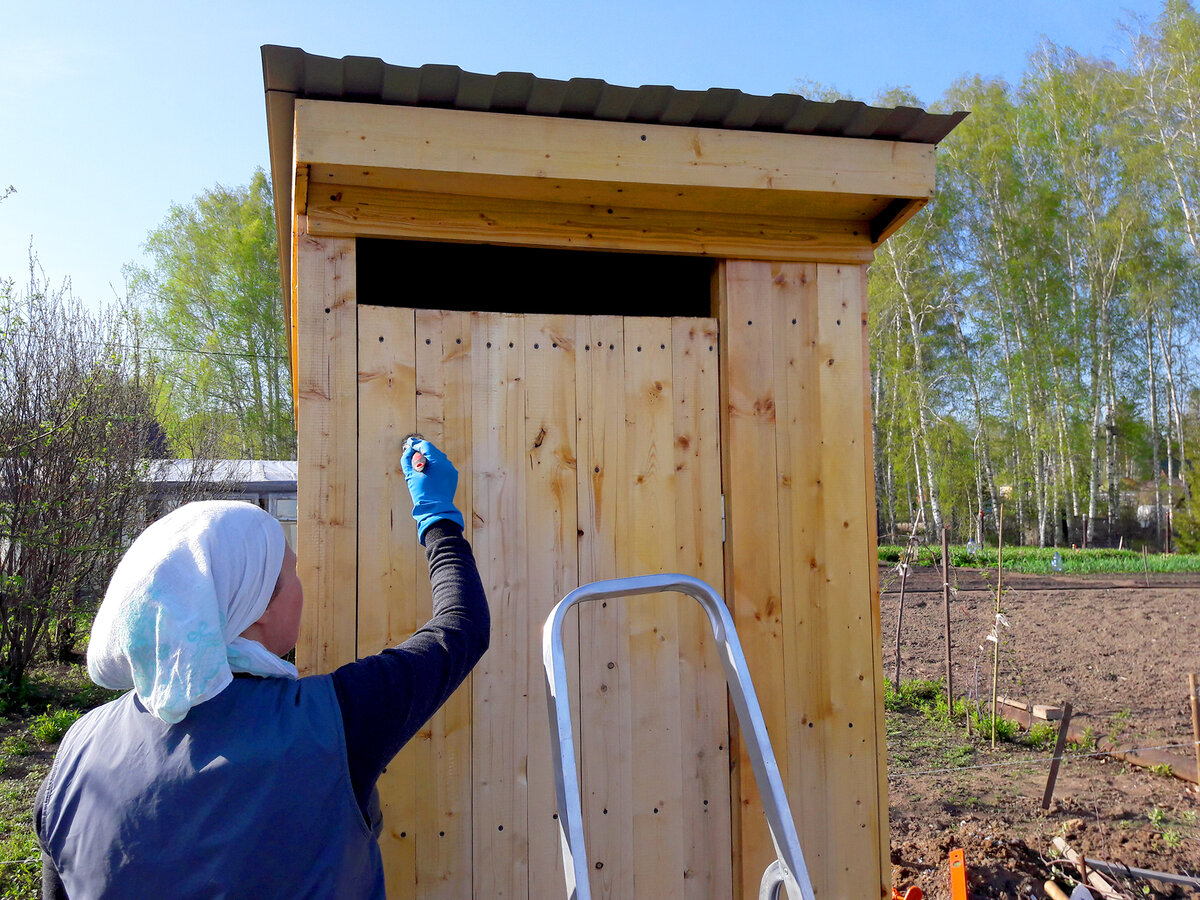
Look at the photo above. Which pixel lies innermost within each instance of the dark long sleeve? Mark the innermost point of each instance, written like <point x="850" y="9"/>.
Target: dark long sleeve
<point x="387" y="697"/>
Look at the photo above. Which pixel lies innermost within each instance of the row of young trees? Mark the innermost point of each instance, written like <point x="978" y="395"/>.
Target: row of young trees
<point x="1034" y="330"/>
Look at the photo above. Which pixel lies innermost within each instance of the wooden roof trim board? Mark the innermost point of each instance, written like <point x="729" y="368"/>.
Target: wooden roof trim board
<point x="720" y="150"/>
<point x="503" y="145"/>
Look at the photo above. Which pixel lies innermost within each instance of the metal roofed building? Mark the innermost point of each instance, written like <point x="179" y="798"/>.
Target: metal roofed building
<point x="267" y="483"/>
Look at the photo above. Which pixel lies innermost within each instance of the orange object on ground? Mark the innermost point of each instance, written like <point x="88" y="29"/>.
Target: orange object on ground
<point x="913" y="893"/>
<point x="958" y="875"/>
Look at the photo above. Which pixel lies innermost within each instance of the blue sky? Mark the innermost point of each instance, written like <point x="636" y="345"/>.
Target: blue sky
<point x="109" y="112"/>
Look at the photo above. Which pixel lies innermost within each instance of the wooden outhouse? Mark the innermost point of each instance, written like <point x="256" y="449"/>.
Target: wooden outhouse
<point x="636" y="320"/>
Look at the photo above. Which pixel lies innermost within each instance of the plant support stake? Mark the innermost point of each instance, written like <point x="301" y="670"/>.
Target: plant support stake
<point x="946" y="606"/>
<point x="1059" y="745"/>
<point x="1195" y="720"/>
<point x="996" y="627"/>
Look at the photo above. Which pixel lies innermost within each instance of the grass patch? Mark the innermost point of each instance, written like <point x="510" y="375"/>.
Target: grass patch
<point x="1038" y="560"/>
<point x="914" y="694"/>
<point x="36" y="715"/>
<point x="20" y="862"/>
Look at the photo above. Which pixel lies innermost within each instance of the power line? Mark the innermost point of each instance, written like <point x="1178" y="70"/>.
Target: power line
<point x="141" y="347"/>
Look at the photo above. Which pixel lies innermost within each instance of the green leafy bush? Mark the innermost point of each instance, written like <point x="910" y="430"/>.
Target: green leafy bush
<point x="50" y="726"/>
<point x="1041" y="736"/>
<point x="1006" y="729"/>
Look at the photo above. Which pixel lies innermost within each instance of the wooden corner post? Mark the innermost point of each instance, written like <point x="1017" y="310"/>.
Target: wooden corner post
<point x="327" y="480"/>
<point x="800" y="570"/>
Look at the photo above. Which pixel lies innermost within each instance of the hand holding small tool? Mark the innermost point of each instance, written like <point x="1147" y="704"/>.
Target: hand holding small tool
<point x="432" y="481"/>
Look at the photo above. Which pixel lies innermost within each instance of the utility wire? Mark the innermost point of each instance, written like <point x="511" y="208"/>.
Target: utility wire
<point x="140" y="347"/>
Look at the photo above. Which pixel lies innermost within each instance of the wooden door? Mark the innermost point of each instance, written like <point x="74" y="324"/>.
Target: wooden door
<point x="588" y="449"/>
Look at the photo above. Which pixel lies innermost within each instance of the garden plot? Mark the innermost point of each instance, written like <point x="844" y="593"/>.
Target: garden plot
<point x="1119" y="652"/>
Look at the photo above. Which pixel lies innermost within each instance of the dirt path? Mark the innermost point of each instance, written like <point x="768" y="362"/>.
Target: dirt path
<point x="1120" y="652"/>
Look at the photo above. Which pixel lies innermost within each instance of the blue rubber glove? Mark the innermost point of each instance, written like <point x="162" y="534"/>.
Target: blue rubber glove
<point x="432" y="488"/>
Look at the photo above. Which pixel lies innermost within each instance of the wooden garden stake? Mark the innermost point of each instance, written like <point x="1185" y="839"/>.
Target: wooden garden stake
<point x="1146" y="565"/>
<point x="1063" y="725"/>
<point x="996" y="622"/>
<point x="946" y="606"/>
<point x="1195" y="720"/>
<point x="900" y="617"/>
<point x="905" y="557"/>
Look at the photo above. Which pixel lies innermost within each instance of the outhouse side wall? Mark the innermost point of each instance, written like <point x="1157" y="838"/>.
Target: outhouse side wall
<point x="801" y="572"/>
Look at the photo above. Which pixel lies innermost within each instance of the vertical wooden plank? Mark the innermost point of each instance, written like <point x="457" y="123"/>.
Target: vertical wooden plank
<point x="803" y="552"/>
<point x="390" y="562"/>
<point x="752" y="575"/>
<point x="328" y="452"/>
<point x="704" y="722"/>
<point x="605" y="736"/>
<point x="649" y="547"/>
<point x="499" y="742"/>
<point x="443" y="746"/>
<point x="854" y="796"/>
<point x="872" y="563"/>
<point x="552" y="548"/>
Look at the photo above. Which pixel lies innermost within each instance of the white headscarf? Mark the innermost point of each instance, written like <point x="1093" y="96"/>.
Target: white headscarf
<point x="185" y="590"/>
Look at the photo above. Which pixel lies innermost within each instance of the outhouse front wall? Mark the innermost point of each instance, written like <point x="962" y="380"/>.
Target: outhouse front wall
<point x="607" y="453"/>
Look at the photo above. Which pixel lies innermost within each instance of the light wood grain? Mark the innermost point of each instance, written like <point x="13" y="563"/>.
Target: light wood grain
<point x="443" y="403"/>
<point x="605" y="735"/>
<point x="389" y="560"/>
<point x="552" y="550"/>
<point x="858" y="212"/>
<point x="327" y="480"/>
<point x="704" y="721"/>
<point x="500" y="820"/>
<point x="853" y="797"/>
<point x="653" y="621"/>
<point x="578" y="150"/>
<point x="802" y="499"/>
<point x="752" y="520"/>
<point x="421" y="215"/>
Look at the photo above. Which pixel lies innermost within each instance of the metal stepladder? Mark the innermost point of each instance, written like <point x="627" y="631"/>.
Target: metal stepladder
<point x="787" y="872"/>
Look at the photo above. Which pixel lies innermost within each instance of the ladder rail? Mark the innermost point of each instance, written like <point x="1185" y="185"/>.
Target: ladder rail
<point x="788" y="869"/>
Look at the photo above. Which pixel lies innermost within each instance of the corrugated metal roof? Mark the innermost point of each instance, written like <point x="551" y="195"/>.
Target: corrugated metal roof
<point x="280" y="473"/>
<point x="290" y="70"/>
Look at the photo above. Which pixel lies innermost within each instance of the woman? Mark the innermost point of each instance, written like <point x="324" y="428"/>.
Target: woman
<point x="222" y="774"/>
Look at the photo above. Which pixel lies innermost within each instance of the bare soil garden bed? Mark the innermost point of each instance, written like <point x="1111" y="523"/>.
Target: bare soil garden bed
<point x="1119" y="651"/>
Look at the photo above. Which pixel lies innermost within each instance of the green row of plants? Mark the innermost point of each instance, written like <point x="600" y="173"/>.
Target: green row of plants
<point x="928" y="697"/>
<point x="1040" y="560"/>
